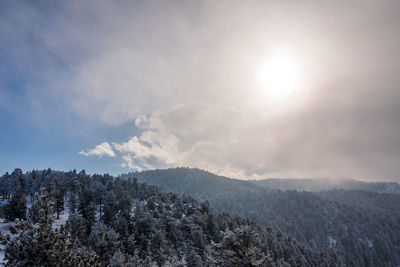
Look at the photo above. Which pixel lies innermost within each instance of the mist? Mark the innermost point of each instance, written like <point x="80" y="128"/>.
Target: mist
<point x="183" y="76"/>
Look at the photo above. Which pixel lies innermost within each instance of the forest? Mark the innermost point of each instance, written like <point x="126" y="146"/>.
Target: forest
<point x="357" y="223"/>
<point x="54" y="218"/>
<point x="190" y="217"/>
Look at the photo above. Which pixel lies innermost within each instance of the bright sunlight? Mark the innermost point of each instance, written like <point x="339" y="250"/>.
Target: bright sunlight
<point x="279" y="77"/>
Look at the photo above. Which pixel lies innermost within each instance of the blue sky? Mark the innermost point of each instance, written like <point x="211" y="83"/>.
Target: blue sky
<point x="32" y="143"/>
<point x="37" y="130"/>
<point x="247" y="89"/>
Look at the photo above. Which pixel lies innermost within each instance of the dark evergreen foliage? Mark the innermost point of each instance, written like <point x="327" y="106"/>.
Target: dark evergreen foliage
<point x="140" y="226"/>
<point x="358" y="227"/>
<point x="16" y="208"/>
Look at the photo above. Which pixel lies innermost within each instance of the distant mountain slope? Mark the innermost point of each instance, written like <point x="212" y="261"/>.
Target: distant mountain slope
<point x="361" y="228"/>
<point x="328" y="184"/>
<point x="202" y="184"/>
<point x="389" y="203"/>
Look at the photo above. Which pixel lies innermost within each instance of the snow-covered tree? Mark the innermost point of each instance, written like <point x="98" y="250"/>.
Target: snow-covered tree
<point x="38" y="244"/>
<point x="238" y="248"/>
<point x="104" y="241"/>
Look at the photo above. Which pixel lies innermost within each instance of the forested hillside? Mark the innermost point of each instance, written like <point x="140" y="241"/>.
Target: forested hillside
<point x="52" y="218"/>
<point x="329" y="184"/>
<point x="360" y="227"/>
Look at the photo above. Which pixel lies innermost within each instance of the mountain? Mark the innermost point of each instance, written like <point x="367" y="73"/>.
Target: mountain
<point x="328" y="184"/>
<point x="52" y="218"/>
<point x="202" y="184"/>
<point x="359" y="227"/>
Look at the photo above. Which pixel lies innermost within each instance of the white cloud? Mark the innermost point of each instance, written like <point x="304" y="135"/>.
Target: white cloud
<point x="104" y="149"/>
<point x="195" y="135"/>
<point x="151" y="150"/>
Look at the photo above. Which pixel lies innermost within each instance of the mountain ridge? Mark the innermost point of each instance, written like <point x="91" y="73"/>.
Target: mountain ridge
<point x="302" y="184"/>
<point x="358" y="225"/>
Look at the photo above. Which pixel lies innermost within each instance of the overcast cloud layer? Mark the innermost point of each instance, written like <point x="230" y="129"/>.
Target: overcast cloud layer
<point x="182" y="72"/>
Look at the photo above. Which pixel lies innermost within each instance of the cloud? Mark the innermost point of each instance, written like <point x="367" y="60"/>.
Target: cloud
<point x="242" y="142"/>
<point x="192" y="94"/>
<point x="226" y="140"/>
<point x="185" y="135"/>
<point x="183" y="75"/>
<point x="104" y="149"/>
<point x="151" y="150"/>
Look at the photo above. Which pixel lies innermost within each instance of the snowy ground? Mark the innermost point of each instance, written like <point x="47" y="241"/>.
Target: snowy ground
<point x="63" y="217"/>
<point x="5" y="230"/>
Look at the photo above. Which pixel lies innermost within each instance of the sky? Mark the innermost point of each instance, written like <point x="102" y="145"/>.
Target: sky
<point x="245" y="89"/>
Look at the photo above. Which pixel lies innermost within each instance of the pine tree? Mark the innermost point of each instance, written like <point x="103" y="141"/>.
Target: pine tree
<point x="104" y="241"/>
<point x="238" y="248"/>
<point x="118" y="259"/>
<point x="77" y="227"/>
<point x="87" y="208"/>
<point x="57" y="195"/>
<point x="4" y="185"/>
<point x="194" y="260"/>
<point x="72" y="202"/>
<point x="110" y="208"/>
<point x="17" y="206"/>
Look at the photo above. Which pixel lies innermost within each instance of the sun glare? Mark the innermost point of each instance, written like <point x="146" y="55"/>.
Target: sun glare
<point x="279" y="78"/>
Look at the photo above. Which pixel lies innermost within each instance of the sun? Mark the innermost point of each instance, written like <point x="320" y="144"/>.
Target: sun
<point x="279" y="78"/>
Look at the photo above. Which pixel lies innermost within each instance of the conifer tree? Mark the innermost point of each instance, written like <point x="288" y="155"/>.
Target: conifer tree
<point x="104" y="241"/>
<point x="237" y="248"/>
<point x="17" y="206"/>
